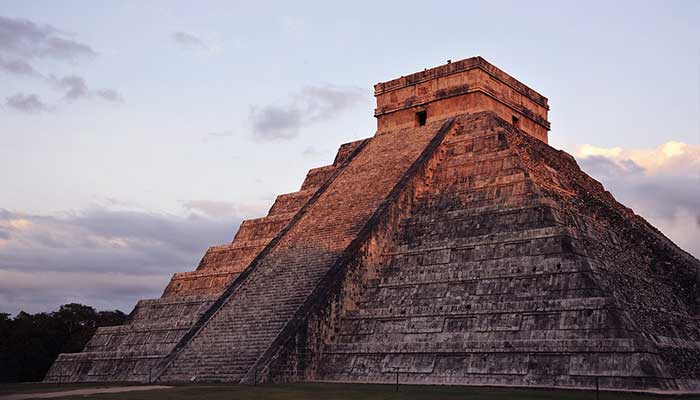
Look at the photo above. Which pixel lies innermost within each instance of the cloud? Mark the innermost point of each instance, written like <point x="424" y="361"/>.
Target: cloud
<point x="662" y="184"/>
<point x="188" y="40"/>
<point x="109" y="95"/>
<point x="325" y="102"/>
<point x="23" y="42"/>
<point x="108" y="258"/>
<point x="29" y="103"/>
<point x="668" y="157"/>
<point x="75" y="88"/>
<point x="34" y="292"/>
<point x="224" y="209"/>
<point x="312" y="104"/>
<point x="273" y="122"/>
<point x="17" y="67"/>
<point x="26" y="39"/>
<point x="216" y="209"/>
<point x="311" y="152"/>
<point x="66" y="49"/>
<point x="604" y="168"/>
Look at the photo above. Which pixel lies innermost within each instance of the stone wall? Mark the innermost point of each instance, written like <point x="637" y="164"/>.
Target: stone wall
<point x="470" y="85"/>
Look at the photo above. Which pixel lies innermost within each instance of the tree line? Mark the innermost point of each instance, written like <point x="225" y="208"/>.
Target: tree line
<point x="29" y="343"/>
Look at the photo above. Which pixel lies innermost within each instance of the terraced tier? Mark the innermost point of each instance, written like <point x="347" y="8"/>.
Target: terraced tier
<point x="130" y="352"/>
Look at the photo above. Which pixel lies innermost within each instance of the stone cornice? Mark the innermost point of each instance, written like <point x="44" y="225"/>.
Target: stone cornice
<point x="458" y="91"/>
<point x="456" y="67"/>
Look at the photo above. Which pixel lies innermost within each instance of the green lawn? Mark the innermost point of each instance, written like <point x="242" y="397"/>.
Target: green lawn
<point x="319" y="391"/>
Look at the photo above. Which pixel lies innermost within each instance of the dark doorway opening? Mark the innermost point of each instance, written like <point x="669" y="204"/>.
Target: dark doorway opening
<point x="421" y="117"/>
<point x="516" y="121"/>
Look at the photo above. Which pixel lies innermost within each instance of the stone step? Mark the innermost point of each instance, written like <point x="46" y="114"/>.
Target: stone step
<point x="441" y="298"/>
<point x="264" y="228"/>
<point x="466" y="309"/>
<point x="494" y="346"/>
<point x="396" y="273"/>
<point x="444" y="333"/>
<point x="291" y="202"/>
<point x="538" y="235"/>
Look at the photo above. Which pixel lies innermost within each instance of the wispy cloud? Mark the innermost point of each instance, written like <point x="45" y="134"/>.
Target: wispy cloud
<point x="74" y="85"/>
<point x="75" y="88"/>
<point x="109" y="95"/>
<point x="662" y="184"/>
<point x="276" y="122"/>
<point x="312" y="104"/>
<point x="28" y="103"/>
<point x="24" y="43"/>
<point x="188" y="40"/>
<point x="224" y="209"/>
<point x="216" y="209"/>
<point x="101" y="256"/>
<point x="26" y="39"/>
<point x="17" y="67"/>
<point x="669" y="157"/>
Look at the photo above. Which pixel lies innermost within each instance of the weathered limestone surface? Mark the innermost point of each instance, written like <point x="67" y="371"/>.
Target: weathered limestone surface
<point x="453" y="247"/>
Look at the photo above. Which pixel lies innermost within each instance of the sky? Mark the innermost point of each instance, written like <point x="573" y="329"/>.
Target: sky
<point x="134" y="134"/>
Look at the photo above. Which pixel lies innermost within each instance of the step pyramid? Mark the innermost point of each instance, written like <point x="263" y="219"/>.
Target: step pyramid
<point x="455" y="246"/>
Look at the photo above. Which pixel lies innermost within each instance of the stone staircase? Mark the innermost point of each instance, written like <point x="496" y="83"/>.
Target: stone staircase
<point x="135" y="350"/>
<point x="234" y="342"/>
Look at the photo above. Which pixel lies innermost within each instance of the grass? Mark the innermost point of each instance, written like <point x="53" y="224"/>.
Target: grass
<point x="37" y="387"/>
<point x="323" y="391"/>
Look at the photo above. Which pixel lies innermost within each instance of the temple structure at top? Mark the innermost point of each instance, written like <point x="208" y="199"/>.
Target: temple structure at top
<point x="465" y="86"/>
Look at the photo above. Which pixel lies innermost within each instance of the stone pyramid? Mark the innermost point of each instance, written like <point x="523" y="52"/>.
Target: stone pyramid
<point x="453" y="247"/>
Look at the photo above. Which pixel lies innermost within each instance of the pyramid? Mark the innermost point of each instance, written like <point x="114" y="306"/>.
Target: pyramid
<point x="455" y="246"/>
